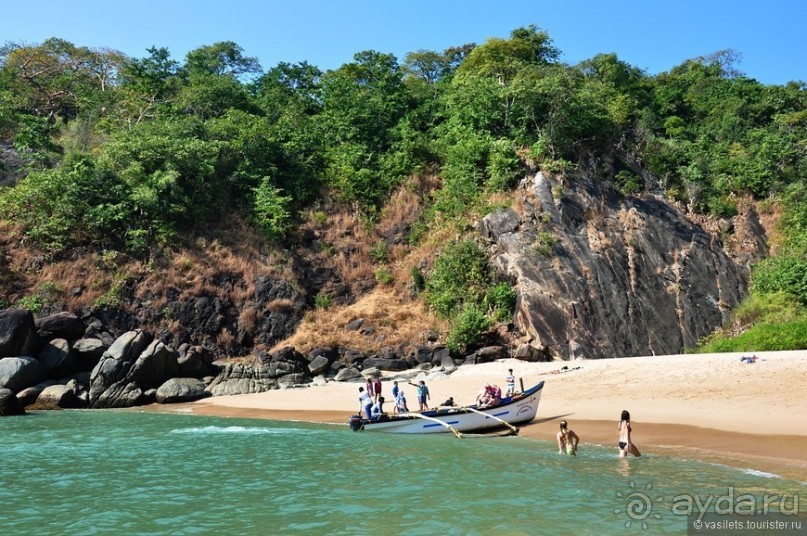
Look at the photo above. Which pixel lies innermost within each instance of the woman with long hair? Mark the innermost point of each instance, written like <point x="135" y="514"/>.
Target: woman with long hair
<point x="567" y="440"/>
<point x="625" y="442"/>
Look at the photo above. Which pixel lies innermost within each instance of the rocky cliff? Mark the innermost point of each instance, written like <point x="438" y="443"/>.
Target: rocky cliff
<point x="602" y="275"/>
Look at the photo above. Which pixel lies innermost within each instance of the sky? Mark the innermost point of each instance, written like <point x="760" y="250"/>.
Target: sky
<point x="653" y="35"/>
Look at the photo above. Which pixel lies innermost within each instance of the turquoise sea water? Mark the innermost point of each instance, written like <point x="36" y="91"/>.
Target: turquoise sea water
<point x="126" y="472"/>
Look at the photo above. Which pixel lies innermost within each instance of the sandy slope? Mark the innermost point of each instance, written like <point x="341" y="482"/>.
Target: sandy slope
<point x="709" y="406"/>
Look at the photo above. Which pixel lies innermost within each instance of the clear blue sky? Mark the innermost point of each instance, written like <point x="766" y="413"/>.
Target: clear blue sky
<point x="653" y="35"/>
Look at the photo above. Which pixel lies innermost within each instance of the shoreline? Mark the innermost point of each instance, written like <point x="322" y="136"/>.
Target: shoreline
<point x="709" y="407"/>
<point x="784" y="456"/>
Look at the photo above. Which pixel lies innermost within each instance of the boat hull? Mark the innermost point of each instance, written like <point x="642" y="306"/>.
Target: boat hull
<point x="516" y="410"/>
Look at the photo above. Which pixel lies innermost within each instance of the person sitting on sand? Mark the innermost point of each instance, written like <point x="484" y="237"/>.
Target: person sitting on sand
<point x="450" y="402"/>
<point x="625" y="442"/>
<point x="567" y="440"/>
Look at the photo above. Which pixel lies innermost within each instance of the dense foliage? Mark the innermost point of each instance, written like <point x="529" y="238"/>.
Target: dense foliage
<point x="130" y="152"/>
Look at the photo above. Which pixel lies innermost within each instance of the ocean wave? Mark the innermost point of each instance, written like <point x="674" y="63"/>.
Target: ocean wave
<point x="763" y="474"/>
<point x="206" y="430"/>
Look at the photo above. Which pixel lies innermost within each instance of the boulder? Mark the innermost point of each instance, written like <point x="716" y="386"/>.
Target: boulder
<point x="154" y="366"/>
<point x="88" y="352"/>
<point x="385" y="364"/>
<point x="29" y="395"/>
<point x="238" y="379"/>
<point x="17" y="333"/>
<point x="9" y="404"/>
<point x="109" y="387"/>
<point x="61" y="396"/>
<point x="17" y="373"/>
<point x="180" y="390"/>
<point x="353" y="357"/>
<point x="348" y="374"/>
<point x="60" y="325"/>
<point x="196" y="362"/>
<point x="440" y="355"/>
<point x="57" y="359"/>
<point x="419" y="354"/>
<point x="491" y="353"/>
<point x="498" y="223"/>
<point x="318" y="365"/>
<point x="529" y="353"/>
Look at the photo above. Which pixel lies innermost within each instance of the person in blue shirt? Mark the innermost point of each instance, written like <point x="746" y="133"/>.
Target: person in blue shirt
<point x="377" y="411"/>
<point x="423" y="395"/>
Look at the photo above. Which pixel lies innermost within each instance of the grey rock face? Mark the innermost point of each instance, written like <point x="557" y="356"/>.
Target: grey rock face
<point x="156" y="364"/>
<point x="237" y="379"/>
<point x="60" y="325"/>
<point x="17" y="373"/>
<point x="17" y="333"/>
<point x="61" y="396"/>
<point x="109" y="387"/>
<point x="348" y="374"/>
<point x="58" y="359"/>
<point x="600" y="275"/>
<point x="9" y="405"/>
<point x="180" y="390"/>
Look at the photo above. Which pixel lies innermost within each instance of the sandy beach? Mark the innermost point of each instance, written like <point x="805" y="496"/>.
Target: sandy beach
<point x="710" y="407"/>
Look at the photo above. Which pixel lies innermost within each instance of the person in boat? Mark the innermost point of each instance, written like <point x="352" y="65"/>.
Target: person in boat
<point x="423" y="395"/>
<point x="493" y="395"/>
<point x="377" y="411"/>
<point x="482" y="397"/>
<point x="625" y="442"/>
<point x="510" y="383"/>
<point x="567" y="440"/>
<point x="365" y="403"/>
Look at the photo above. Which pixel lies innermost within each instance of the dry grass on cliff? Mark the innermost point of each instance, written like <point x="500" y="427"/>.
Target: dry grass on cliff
<point x="393" y="319"/>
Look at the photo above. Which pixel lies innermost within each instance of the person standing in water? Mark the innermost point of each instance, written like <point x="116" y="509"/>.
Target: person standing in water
<point x="567" y="440"/>
<point x="625" y="442"/>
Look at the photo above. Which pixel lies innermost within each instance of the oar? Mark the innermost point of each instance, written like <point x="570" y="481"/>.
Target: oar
<point x="438" y="421"/>
<point x="507" y="424"/>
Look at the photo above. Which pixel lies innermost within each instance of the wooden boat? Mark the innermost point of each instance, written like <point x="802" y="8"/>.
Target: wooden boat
<point x="518" y="409"/>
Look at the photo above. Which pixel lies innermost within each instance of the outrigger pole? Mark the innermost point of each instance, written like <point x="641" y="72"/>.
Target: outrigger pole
<point x="507" y="424"/>
<point x="438" y="421"/>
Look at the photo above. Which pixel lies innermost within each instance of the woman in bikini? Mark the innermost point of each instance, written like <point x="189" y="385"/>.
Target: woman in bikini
<point x="625" y="444"/>
<point x="567" y="440"/>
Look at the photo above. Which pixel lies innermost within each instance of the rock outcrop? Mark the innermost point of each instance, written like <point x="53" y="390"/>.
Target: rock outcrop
<point x="601" y="275"/>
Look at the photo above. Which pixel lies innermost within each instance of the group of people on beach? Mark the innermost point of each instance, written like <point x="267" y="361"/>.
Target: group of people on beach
<point x="568" y="440"/>
<point x="372" y="403"/>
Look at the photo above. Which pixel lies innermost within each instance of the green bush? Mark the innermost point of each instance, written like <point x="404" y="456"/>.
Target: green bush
<point x="322" y="301"/>
<point x="763" y="337"/>
<point x="383" y="276"/>
<point x="460" y="275"/>
<point x="781" y="274"/>
<point x="33" y="303"/>
<point x="467" y="328"/>
<point x="501" y="301"/>
<point x="418" y="281"/>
